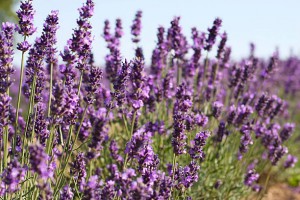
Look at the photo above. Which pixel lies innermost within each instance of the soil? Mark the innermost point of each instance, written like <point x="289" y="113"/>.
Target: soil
<point x="281" y="192"/>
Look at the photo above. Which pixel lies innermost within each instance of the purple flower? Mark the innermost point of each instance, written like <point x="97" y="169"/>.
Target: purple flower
<point x="46" y="192"/>
<point x="251" y="177"/>
<point x="290" y="161"/>
<point x="113" y="64"/>
<point x="106" y="31"/>
<point x="188" y="175"/>
<point x="140" y="91"/>
<point x="39" y="161"/>
<point x="138" y="140"/>
<point x="221" y="46"/>
<point x="159" y="54"/>
<point x="225" y="61"/>
<point x="49" y="35"/>
<point x="200" y="119"/>
<point x="23" y="46"/>
<point x="69" y="105"/>
<point x="235" y="77"/>
<point x="40" y="124"/>
<point x="11" y="177"/>
<point x="276" y="152"/>
<point x="176" y="39"/>
<point x="256" y="188"/>
<point x="87" y="10"/>
<point x="196" y="150"/>
<point x="84" y="132"/>
<point x="246" y="140"/>
<point x="193" y="64"/>
<point x="277" y="109"/>
<point x="270" y="68"/>
<point x="92" y="190"/>
<point x="118" y="30"/>
<point x="108" y="192"/>
<point x="168" y="85"/>
<point x="68" y="70"/>
<point x="6" y="55"/>
<point x="147" y="159"/>
<point x="243" y="112"/>
<point x="287" y="131"/>
<point x="213" y="32"/>
<point x="66" y="193"/>
<point x="261" y="103"/>
<point x="81" y="40"/>
<point x="121" y="83"/>
<point x="136" y="27"/>
<point x="4" y="111"/>
<point x="25" y="15"/>
<point x="43" y="47"/>
<point x="217" y="109"/>
<point x="221" y="132"/>
<point x="232" y="114"/>
<point x="78" y="170"/>
<point x="114" y="148"/>
<point x="100" y="130"/>
<point x="182" y="105"/>
<point x="217" y="184"/>
<point x="93" y="85"/>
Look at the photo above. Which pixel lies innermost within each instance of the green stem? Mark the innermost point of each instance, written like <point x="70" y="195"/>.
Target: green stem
<point x="178" y="73"/>
<point x="18" y="103"/>
<point x="80" y="82"/>
<point x="131" y="133"/>
<point x="71" y="151"/>
<point x="266" y="184"/>
<point x="50" y="139"/>
<point x="173" y="171"/>
<point x="31" y="103"/>
<point x="50" y="89"/>
<point x="5" y="147"/>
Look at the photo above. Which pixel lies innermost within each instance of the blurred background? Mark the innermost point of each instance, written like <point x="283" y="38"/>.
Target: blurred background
<point x="268" y="24"/>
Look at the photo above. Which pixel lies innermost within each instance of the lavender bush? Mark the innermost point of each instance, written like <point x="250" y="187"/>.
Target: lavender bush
<point x="189" y="125"/>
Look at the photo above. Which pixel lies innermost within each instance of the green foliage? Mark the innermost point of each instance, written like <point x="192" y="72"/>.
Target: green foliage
<point x="7" y="11"/>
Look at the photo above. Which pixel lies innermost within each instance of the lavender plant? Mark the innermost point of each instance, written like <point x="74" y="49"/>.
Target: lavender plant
<point x="131" y="130"/>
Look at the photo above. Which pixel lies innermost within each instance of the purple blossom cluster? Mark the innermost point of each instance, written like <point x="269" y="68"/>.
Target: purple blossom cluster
<point x="180" y="127"/>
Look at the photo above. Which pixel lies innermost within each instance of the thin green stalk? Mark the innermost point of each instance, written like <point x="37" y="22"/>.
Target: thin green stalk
<point x="19" y="100"/>
<point x="266" y="184"/>
<point x="125" y="123"/>
<point x="50" y="89"/>
<point x="178" y="73"/>
<point x="71" y="126"/>
<point x="173" y="171"/>
<point x="131" y="133"/>
<point x="80" y="82"/>
<point x="5" y="138"/>
<point x="33" y="126"/>
<point x="205" y="68"/>
<point x="5" y="147"/>
<point x="30" y="109"/>
<point x="71" y="151"/>
<point x="50" y="139"/>
<point x="132" y="124"/>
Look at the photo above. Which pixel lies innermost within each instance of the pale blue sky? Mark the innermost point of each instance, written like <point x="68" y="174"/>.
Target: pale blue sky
<point x="267" y="23"/>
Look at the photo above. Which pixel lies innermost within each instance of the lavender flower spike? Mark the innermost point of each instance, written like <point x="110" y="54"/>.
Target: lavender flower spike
<point x="39" y="161"/>
<point x="136" y="27"/>
<point x="6" y="55"/>
<point x="196" y="151"/>
<point x="25" y="15"/>
<point x="290" y="161"/>
<point x="213" y="32"/>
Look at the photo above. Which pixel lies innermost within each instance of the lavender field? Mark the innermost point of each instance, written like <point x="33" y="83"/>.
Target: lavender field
<point x="193" y="123"/>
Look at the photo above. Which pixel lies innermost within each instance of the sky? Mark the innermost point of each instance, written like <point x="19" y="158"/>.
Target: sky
<point x="267" y="23"/>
